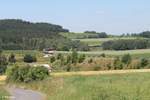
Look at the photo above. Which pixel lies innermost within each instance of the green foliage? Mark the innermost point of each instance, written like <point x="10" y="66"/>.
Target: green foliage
<point x="144" y="62"/>
<point x="38" y="73"/>
<point x="145" y="34"/>
<point x="12" y="58"/>
<point x="117" y="63"/>
<point x="26" y="73"/>
<point x="81" y="58"/>
<point x="59" y="56"/>
<point x="68" y="59"/>
<point x="52" y="59"/>
<point x="3" y="64"/>
<point x="97" y="68"/>
<point x="126" y="44"/>
<point x="90" y="60"/>
<point x="86" y="34"/>
<point x="24" y="35"/>
<point x="74" y="56"/>
<point x="29" y="58"/>
<point x="68" y="68"/>
<point x="126" y="59"/>
<point x="103" y="55"/>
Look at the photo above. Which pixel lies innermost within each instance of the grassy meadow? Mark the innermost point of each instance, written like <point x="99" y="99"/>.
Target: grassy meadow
<point x="99" y="41"/>
<point x="98" y="87"/>
<point x="3" y="94"/>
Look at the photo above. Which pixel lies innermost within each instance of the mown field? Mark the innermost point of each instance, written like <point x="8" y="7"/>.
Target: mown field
<point x="101" y="87"/>
<point x="99" y="41"/>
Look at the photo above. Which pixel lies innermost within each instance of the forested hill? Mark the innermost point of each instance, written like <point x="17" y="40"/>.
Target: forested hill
<point x="19" y="28"/>
<point x="19" y="34"/>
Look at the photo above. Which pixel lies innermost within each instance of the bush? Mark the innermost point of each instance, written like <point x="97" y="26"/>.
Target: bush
<point x="144" y="62"/>
<point x="103" y="55"/>
<point x="38" y="73"/>
<point x="81" y="58"/>
<point x="3" y="64"/>
<point x="29" y="58"/>
<point x="68" y="68"/>
<point x="117" y="63"/>
<point x="126" y="59"/>
<point x="69" y="59"/>
<point x="90" y="60"/>
<point x="12" y="58"/>
<point x="26" y="74"/>
<point x="52" y="59"/>
<point x="74" y="56"/>
<point x="59" y="56"/>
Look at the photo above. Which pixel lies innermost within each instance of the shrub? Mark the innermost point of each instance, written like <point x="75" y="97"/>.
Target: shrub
<point x="97" y="67"/>
<point x="103" y="55"/>
<point x="128" y="44"/>
<point x="126" y="59"/>
<point x="3" y="64"/>
<point x="69" y="59"/>
<point x="74" y="56"/>
<point x="12" y="58"/>
<point x="38" y="73"/>
<point x="29" y="58"/>
<point x="117" y="63"/>
<point x="59" y="56"/>
<point x="68" y="68"/>
<point x="81" y="58"/>
<point x="144" y="62"/>
<point x="26" y="74"/>
<point x="90" y="60"/>
<point x="52" y="59"/>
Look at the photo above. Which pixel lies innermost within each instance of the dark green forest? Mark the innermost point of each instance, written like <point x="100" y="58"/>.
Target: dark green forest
<point x="126" y="44"/>
<point x="16" y="34"/>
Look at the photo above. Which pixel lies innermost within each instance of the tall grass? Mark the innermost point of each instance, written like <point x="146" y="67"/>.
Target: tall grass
<point x="103" y="87"/>
<point x="4" y="95"/>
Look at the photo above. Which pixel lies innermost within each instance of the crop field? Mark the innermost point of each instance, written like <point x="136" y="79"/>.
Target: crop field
<point x="99" y="41"/>
<point x="98" y="87"/>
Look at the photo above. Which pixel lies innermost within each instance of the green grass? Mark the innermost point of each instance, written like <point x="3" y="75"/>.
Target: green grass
<point x="3" y="93"/>
<point x="77" y="35"/>
<point x="99" y="41"/>
<point x="135" y="53"/>
<point x="102" y="87"/>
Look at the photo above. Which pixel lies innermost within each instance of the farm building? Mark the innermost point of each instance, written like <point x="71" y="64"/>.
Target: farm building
<point x="48" y="52"/>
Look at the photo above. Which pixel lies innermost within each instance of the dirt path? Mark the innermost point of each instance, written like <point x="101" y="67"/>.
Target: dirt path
<point x="21" y="94"/>
<point x="101" y="72"/>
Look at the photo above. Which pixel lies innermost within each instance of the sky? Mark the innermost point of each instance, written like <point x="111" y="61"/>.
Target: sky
<point x="111" y="16"/>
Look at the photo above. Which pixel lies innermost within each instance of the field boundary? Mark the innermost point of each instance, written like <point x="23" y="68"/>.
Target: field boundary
<point x="100" y="72"/>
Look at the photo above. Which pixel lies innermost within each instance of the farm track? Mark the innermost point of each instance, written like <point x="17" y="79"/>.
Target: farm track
<point x="22" y="94"/>
<point x="100" y="72"/>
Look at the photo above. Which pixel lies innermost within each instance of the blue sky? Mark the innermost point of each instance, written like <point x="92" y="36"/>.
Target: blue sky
<point x="111" y="16"/>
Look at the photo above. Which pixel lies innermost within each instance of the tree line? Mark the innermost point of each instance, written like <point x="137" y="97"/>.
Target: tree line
<point x="128" y="44"/>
